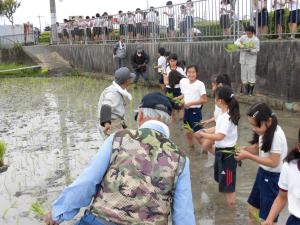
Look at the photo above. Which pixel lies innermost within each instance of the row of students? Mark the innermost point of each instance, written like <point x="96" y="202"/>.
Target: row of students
<point x="268" y="149"/>
<point x="262" y="18"/>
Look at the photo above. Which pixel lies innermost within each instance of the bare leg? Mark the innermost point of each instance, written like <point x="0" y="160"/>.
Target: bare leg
<point x="189" y="137"/>
<point x="231" y="199"/>
<point x="252" y="211"/>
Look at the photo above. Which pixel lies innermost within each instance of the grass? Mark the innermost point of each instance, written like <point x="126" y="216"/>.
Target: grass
<point x="37" y="209"/>
<point x="2" y="152"/>
<point x="8" y="66"/>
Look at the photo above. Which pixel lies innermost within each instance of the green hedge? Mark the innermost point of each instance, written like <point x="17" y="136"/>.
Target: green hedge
<point x="45" y="37"/>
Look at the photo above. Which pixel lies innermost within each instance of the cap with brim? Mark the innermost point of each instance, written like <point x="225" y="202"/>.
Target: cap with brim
<point x="158" y="101"/>
<point x="122" y="75"/>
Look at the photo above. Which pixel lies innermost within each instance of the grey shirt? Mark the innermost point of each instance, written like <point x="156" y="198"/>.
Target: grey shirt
<point x="248" y="57"/>
<point x="113" y="98"/>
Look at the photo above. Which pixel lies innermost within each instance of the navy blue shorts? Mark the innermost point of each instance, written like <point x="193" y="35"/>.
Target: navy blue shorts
<point x="293" y="220"/>
<point x="294" y="16"/>
<point x="225" y="170"/>
<point x="279" y="17"/>
<point x="171" y="24"/>
<point x="263" y="18"/>
<point x="193" y="117"/>
<point x="264" y="192"/>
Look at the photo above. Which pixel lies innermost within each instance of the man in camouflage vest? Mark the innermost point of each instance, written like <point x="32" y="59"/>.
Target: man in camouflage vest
<point x="137" y="177"/>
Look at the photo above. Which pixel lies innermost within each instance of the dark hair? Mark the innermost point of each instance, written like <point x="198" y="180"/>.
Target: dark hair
<point x="225" y="1"/>
<point x="169" y="3"/>
<point x="181" y="64"/>
<point x="223" y="79"/>
<point x="161" y="51"/>
<point x="65" y="20"/>
<point x="138" y="9"/>
<point x="173" y="56"/>
<point x="120" y="11"/>
<point x="250" y="29"/>
<point x="195" y="67"/>
<point x="174" y="78"/>
<point x="226" y="94"/>
<point x="87" y="17"/>
<point x="261" y="112"/>
<point x="294" y="154"/>
<point x="97" y="15"/>
<point x="104" y="14"/>
<point x="167" y="54"/>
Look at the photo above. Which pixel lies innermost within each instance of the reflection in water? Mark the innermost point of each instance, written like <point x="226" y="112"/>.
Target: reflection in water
<point x="50" y="126"/>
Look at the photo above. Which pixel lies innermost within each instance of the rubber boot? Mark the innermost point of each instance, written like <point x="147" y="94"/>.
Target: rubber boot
<point x="251" y="89"/>
<point x="248" y="89"/>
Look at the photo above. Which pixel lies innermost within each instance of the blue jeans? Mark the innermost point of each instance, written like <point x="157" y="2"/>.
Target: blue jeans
<point x="90" y="219"/>
<point x="140" y="74"/>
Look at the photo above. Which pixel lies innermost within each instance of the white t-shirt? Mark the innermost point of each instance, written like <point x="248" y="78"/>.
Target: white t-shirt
<point x="139" y="18"/>
<point x="294" y="5"/>
<point x="225" y="126"/>
<point x="192" y="91"/>
<point x="225" y="8"/>
<point x="279" y="146"/>
<point x="217" y="112"/>
<point x="171" y="12"/>
<point x="151" y="17"/>
<point x="279" y="4"/>
<point x="290" y="181"/>
<point x="180" y="70"/>
<point x="162" y="62"/>
<point x="261" y="4"/>
<point x="130" y="19"/>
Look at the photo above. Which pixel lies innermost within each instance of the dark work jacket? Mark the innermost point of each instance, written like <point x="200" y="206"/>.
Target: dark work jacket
<point x="137" y="61"/>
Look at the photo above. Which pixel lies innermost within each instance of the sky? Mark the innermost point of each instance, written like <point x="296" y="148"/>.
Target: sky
<point x="31" y="9"/>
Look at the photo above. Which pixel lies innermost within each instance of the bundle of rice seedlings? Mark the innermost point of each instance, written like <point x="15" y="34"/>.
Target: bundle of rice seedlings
<point x="234" y="152"/>
<point x="37" y="209"/>
<point x="2" y="152"/>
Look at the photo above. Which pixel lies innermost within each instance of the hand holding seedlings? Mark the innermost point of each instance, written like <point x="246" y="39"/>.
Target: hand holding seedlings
<point x="242" y="154"/>
<point x="107" y="127"/>
<point x="48" y="220"/>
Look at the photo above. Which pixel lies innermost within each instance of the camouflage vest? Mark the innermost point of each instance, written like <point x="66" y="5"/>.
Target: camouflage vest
<point x="139" y="183"/>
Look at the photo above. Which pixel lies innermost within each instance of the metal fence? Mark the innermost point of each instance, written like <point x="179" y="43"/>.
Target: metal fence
<point x="189" y="21"/>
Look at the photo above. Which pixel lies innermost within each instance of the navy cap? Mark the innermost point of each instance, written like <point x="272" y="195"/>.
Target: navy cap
<point x="156" y="100"/>
<point x="122" y="75"/>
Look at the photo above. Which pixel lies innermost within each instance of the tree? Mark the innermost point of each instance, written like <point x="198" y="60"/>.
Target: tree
<point x="1" y="7"/>
<point x="9" y="9"/>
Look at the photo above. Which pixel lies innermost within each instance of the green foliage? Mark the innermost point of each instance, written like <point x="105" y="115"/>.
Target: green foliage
<point x="2" y="152"/>
<point x="37" y="209"/>
<point x="8" y="66"/>
<point x="233" y="152"/>
<point x="9" y="7"/>
<point x="188" y="128"/>
<point x="45" y="37"/>
<point x="230" y="48"/>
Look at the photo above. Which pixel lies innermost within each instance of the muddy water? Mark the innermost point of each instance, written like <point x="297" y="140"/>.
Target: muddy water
<point x="50" y="127"/>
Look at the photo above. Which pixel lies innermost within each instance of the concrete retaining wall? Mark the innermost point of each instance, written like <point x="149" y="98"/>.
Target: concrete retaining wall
<point x="278" y="67"/>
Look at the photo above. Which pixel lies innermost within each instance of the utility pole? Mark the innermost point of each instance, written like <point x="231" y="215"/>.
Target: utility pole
<point x="53" y="22"/>
<point x="40" y="22"/>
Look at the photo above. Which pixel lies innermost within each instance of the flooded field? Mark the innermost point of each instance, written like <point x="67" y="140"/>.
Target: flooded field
<point x="50" y="127"/>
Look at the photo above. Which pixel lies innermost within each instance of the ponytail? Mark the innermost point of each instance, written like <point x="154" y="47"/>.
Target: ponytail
<point x="225" y="93"/>
<point x="261" y="112"/>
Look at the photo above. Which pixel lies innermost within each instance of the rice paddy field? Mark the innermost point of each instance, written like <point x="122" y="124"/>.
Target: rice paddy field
<point x="50" y="127"/>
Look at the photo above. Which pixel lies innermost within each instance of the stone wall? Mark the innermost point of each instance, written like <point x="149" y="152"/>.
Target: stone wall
<point x="278" y="67"/>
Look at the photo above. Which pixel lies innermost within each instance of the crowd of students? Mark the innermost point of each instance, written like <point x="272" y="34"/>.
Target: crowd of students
<point x="278" y="173"/>
<point x="145" y="24"/>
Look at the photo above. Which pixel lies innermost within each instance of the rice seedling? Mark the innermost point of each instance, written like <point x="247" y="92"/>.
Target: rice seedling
<point x="179" y="102"/>
<point x="37" y="209"/>
<point x="231" y="48"/>
<point x="188" y="128"/>
<point x="233" y="152"/>
<point x="2" y="152"/>
<point x="255" y="216"/>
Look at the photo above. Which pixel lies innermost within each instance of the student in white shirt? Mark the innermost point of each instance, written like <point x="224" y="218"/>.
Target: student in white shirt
<point x="194" y="95"/>
<point x="269" y="148"/>
<point x="171" y="15"/>
<point x="189" y="20"/>
<point x="97" y="28"/>
<point x="262" y="15"/>
<point x="294" y="17"/>
<point x="289" y="189"/>
<point x="122" y="23"/>
<point x="225" y="16"/>
<point x="225" y="136"/>
<point x="161" y="66"/>
<point x="220" y="81"/>
<point x="139" y="17"/>
<point x="151" y="18"/>
<point x="182" y="22"/>
<point x="130" y="24"/>
<point x="279" y="6"/>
